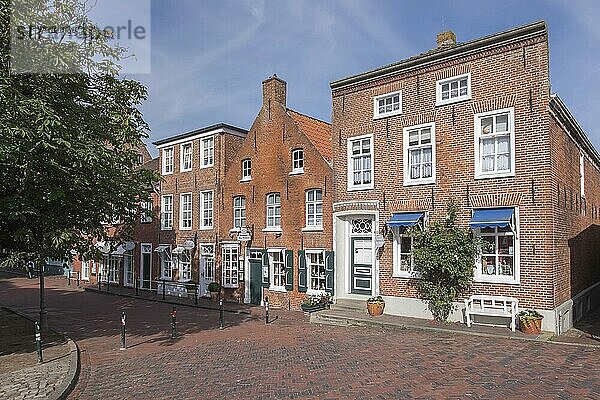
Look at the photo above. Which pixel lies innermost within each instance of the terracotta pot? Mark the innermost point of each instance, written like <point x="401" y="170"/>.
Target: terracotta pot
<point x="214" y="296"/>
<point x="375" y="309"/>
<point x="532" y="326"/>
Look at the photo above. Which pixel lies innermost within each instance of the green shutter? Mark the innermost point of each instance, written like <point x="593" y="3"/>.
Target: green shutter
<point x="329" y="272"/>
<point x="266" y="271"/>
<point x="289" y="270"/>
<point x="302" y="271"/>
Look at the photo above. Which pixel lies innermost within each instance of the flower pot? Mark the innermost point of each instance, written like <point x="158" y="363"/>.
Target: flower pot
<point x="532" y="326"/>
<point x="214" y="297"/>
<point x="375" y="308"/>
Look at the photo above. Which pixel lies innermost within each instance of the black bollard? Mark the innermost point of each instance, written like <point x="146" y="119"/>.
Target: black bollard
<point x="123" y="331"/>
<point x="173" y="323"/>
<point x="38" y="342"/>
<point x="78" y="279"/>
<point x="266" y="310"/>
<point x="196" y="295"/>
<point x="220" y="313"/>
<point x="99" y="280"/>
<point x="137" y="286"/>
<point x="164" y="288"/>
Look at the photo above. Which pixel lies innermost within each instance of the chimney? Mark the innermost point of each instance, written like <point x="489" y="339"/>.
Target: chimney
<point x="274" y="90"/>
<point x="445" y="39"/>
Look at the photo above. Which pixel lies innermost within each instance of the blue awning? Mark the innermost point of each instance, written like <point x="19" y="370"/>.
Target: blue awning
<point x="405" y="219"/>
<point x="493" y="217"/>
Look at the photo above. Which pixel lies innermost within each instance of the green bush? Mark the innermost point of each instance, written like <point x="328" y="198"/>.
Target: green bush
<point x="214" y="287"/>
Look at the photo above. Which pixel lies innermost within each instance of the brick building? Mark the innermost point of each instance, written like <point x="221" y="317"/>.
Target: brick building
<point x="473" y="121"/>
<point x="276" y="207"/>
<point x="193" y="166"/>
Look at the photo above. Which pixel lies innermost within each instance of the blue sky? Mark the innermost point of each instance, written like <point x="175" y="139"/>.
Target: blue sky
<point x="210" y="57"/>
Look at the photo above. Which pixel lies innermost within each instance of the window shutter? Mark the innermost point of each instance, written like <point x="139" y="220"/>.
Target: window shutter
<point x="266" y="271"/>
<point x="329" y="272"/>
<point x="289" y="270"/>
<point x="302" y="273"/>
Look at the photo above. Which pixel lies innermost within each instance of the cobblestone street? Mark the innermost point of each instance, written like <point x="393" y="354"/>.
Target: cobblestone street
<point x="290" y="358"/>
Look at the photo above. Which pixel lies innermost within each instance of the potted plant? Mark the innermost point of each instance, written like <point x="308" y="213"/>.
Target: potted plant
<point x="375" y="305"/>
<point x="530" y="321"/>
<point x="316" y="302"/>
<point x="215" y="290"/>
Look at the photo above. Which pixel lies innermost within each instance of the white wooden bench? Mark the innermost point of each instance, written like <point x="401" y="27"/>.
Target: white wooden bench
<point x="492" y="306"/>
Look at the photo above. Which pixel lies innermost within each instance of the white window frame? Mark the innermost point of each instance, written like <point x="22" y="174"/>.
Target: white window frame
<point x="166" y="216"/>
<point x="397" y="256"/>
<point x="128" y="269"/>
<point x="185" y="211"/>
<point x="439" y="85"/>
<point x="315" y="214"/>
<point x="582" y="174"/>
<point x="272" y="267"/>
<point x="350" y="163"/>
<point x="85" y="269"/>
<point x="276" y="207"/>
<point x="185" y="157"/>
<point x="246" y="170"/>
<point x="166" y="263"/>
<point x="515" y="279"/>
<point x="239" y="213"/>
<point x="230" y="265"/>
<point x="207" y="160"/>
<point x="167" y="160"/>
<point x="376" y="99"/>
<point x="406" y="154"/>
<point x="297" y="161"/>
<point x="309" y="275"/>
<point x="479" y="174"/>
<point x="184" y="262"/>
<point x="147" y="207"/>
<point x="207" y="198"/>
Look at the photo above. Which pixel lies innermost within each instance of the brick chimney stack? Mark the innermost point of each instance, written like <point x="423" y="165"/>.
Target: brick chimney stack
<point x="445" y="39"/>
<point x="274" y="89"/>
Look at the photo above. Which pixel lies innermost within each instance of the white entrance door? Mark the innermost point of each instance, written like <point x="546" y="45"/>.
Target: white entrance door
<point x="362" y="265"/>
<point x="207" y="268"/>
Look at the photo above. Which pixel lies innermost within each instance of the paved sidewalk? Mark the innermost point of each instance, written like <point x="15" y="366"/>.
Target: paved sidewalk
<point x="21" y="376"/>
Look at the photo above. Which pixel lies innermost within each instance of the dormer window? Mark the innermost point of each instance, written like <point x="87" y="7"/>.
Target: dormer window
<point x="246" y="169"/>
<point x="297" y="161"/>
<point x="387" y="105"/>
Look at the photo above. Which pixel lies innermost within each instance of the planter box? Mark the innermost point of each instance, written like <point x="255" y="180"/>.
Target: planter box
<point x="313" y="308"/>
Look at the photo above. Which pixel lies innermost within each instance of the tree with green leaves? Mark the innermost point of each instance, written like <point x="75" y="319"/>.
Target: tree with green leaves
<point x="68" y="143"/>
<point x="444" y="254"/>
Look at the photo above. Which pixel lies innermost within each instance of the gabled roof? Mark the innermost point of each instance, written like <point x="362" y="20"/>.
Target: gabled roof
<point x="445" y="53"/>
<point x="150" y="165"/>
<point x="317" y="131"/>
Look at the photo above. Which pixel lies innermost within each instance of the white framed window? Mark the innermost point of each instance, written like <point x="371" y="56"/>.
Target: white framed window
<point x="166" y="263"/>
<point x="360" y="162"/>
<point x="297" y="161"/>
<point x="582" y="174"/>
<point x="453" y="89"/>
<point x="185" y="156"/>
<point x="147" y="209"/>
<point x="185" y="211"/>
<point x="495" y="144"/>
<point x="419" y="154"/>
<point x="185" y="266"/>
<point x="166" y="212"/>
<point x="167" y="160"/>
<point x="274" y="211"/>
<point x="207" y="152"/>
<point x="230" y="262"/>
<point x="387" y="105"/>
<point x="140" y="159"/>
<point x="112" y="266"/>
<point x="206" y="209"/>
<point x="277" y="265"/>
<point x="314" y="209"/>
<point x="404" y="263"/>
<point x="500" y="262"/>
<point x="315" y="267"/>
<point x="128" y="269"/>
<point x="246" y="169"/>
<point x="85" y="269"/>
<point x="239" y="212"/>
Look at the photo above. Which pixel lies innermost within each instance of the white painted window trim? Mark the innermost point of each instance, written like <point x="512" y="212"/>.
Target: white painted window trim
<point x="438" y="89"/>
<point x="163" y="213"/>
<point x="479" y="277"/>
<point x="309" y="290"/>
<point x="349" y="164"/>
<point x="181" y="211"/>
<point x="162" y="256"/>
<point x="582" y="174"/>
<point x="477" y="128"/>
<point x="166" y="171"/>
<point x="314" y="202"/>
<point x="236" y="265"/>
<point x="273" y="287"/>
<point x="377" y="115"/>
<point x="297" y="170"/>
<point x="274" y="227"/>
<point x="182" y="156"/>
<point x="239" y="208"/>
<point x="180" y="265"/>
<point x="203" y="147"/>
<point x="211" y="209"/>
<point x="406" y="158"/>
<point x="246" y="178"/>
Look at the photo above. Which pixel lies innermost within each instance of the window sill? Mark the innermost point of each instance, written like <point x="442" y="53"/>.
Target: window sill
<point x="234" y="230"/>
<point x="439" y="103"/>
<point x="315" y="292"/>
<point x="272" y="230"/>
<point x="407" y="275"/>
<point x="185" y="229"/>
<point x="277" y="289"/>
<point x="503" y="281"/>
<point x="165" y="278"/>
<point x="391" y="114"/>
<point x="167" y="173"/>
<point x="297" y="172"/>
<point x="245" y="179"/>
<point x="205" y="228"/>
<point x="496" y="175"/>
<point x="166" y="229"/>
<point x="206" y="166"/>
<point x="231" y="286"/>
<point x="312" y="229"/>
<point x="419" y="182"/>
<point x="359" y="188"/>
<point x="185" y="170"/>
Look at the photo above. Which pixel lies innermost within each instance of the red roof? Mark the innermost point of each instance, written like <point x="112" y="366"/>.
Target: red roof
<point x="317" y="131"/>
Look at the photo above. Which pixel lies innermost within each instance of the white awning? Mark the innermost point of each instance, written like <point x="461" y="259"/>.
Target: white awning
<point x="103" y="247"/>
<point x="161" y="248"/>
<point x="119" y="251"/>
<point x="178" y="250"/>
